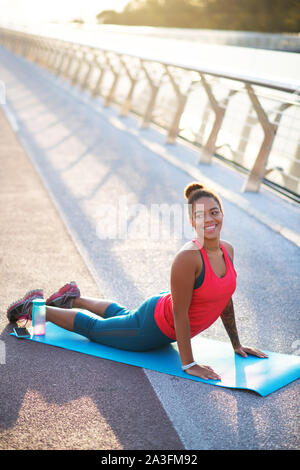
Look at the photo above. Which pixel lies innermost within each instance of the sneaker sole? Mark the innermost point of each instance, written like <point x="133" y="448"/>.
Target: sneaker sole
<point x="27" y="296"/>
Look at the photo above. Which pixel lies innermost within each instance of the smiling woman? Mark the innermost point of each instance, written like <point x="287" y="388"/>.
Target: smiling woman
<point x="203" y="280"/>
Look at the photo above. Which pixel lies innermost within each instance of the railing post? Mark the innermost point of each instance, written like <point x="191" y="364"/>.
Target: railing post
<point x="59" y="67"/>
<point x="210" y="145"/>
<point x="69" y="51"/>
<point x="80" y="59"/>
<point x="146" y="118"/>
<point x="133" y="80"/>
<point x="181" y="102"/>
<point x="15" y="41"/>
<point x="116" y="74"/>
<point x="40" y="58"/>
<point x="54" y="55"/>
<point x="89" y="70"/>
<point x="258" y="170"/>
<point x="95" y="89"/>
<point x="51" y="55"/>
<point x="36" y="50"/>
<point x="45" y="53"/>
<point x="25" y="46"/>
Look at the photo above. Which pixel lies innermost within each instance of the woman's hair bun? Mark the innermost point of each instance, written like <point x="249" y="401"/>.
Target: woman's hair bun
<point x="192" y="187"/>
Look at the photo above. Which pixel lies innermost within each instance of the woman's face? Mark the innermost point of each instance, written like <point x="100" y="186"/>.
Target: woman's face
<point x="207" y="218"/>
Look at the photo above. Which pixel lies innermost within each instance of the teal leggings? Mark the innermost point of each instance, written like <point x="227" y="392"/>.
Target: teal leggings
<point x="122" y="328"/>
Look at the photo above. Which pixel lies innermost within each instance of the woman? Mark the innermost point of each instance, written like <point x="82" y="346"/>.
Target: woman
<point x="203" y="280"/>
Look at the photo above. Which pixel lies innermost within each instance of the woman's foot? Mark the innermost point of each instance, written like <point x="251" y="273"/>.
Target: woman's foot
<point x="23" y="307"/>
<point x="65" y="296"/>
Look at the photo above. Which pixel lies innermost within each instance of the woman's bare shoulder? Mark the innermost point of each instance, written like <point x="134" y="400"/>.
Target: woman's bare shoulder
<point x="188" y="249"/>
<point x="185" y="266"/>
<point x="187" y="255"/>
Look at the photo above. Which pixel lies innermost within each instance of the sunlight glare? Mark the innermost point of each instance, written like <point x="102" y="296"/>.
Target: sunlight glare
<point x="35" y="11"/>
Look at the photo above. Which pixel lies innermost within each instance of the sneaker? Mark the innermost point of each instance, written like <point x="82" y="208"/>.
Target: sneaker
<point x="65" y="296"/>
<point x="22" y="308"/>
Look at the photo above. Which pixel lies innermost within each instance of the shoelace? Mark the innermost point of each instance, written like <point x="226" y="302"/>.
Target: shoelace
<point x="71" y="293"/>
<point x="26" y="306"/>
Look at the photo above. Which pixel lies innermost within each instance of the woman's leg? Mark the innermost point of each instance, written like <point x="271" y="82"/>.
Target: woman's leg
<point x="123" y="329"/>
<point x="96" y="306"/>
<point x="62" y="317"/>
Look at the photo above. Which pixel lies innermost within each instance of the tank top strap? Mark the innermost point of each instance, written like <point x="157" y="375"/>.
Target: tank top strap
<point x="226" y="255"/>
<point x="198" y="243"/>
<point x="203" y="252"/>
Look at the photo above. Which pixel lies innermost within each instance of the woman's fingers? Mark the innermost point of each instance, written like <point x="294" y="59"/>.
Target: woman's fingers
<point x="203" y="372"/>
<point x="255" y="352"/>
<point x="243" y="351"/>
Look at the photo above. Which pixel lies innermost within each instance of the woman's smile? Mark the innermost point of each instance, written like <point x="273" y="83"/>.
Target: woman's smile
<point x="210" y="228"/>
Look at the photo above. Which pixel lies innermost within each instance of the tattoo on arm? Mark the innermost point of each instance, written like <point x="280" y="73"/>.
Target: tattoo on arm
<point x="228" y="319"/>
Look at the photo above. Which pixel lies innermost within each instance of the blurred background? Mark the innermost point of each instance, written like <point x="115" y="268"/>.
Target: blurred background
<point x="273" y="16"/>
<point x="230" y="43"/>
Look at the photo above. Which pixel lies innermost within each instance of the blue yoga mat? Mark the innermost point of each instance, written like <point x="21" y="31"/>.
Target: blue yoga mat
<point x="263" y="376"/>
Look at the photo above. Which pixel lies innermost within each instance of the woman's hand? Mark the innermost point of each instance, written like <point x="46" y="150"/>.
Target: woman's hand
<point x="204" y="372"/>
<point x="244" y="351"/>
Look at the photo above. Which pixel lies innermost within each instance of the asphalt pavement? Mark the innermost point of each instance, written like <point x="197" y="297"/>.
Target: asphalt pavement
<point x="69" y="167"/>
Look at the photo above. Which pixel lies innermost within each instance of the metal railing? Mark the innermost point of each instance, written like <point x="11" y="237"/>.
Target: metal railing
<point x="252" y="123"/>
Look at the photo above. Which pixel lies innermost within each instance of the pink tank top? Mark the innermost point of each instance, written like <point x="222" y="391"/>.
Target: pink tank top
<point x="208" y="300"/>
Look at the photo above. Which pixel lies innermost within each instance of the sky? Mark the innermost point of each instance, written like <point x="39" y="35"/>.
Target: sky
<point x="36" y="11"/>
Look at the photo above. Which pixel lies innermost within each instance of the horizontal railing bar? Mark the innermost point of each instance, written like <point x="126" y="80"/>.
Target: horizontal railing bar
<point x="253" y="80"/>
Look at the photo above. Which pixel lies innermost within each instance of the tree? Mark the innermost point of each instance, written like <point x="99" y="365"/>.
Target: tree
<point x="245" y="15"/>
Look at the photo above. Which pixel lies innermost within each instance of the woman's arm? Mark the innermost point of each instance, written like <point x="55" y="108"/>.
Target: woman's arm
<point x="182" y="284"/>
<point x="228" y="319"/>
<point x="227" y="316"/>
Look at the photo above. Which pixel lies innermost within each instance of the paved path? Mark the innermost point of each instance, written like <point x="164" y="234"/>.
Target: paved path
<point x="87" y="159"/>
